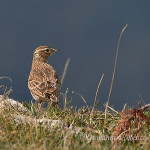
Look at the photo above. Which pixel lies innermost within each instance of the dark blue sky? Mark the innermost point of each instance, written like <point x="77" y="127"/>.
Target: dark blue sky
<point x="87" y="31"/>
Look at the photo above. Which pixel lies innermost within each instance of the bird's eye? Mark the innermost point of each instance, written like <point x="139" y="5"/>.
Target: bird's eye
<point x="47" y="50"/>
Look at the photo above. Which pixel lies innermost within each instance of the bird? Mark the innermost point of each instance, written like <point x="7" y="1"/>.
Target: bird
<point x="43" y="82"/>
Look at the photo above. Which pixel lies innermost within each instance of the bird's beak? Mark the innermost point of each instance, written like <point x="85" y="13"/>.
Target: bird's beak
<point x="55" y="50"/>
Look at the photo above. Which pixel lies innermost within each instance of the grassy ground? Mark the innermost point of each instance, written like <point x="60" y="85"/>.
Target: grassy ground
<point x="83" y="129"/>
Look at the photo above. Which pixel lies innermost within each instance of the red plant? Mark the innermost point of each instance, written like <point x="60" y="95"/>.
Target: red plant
<point x="131" y="119"/>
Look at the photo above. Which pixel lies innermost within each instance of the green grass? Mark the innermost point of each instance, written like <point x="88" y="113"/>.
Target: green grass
<point x="81" y="131"/>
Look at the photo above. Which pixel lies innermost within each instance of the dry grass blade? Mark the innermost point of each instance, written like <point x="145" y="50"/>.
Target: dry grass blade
<point x="65" y="70"/>
<point x="6" y="92"/>
<point x="65" y="98"/>
<point x="113" y="110"/>
<point x="6" y="78"/>
<point x="97" y="93"/>
<point x="124" y="107"/>
<point x="82" y="99"/>
<point x="114" y="71"/>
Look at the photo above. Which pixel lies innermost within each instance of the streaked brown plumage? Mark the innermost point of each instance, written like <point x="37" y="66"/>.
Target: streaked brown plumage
<point x="43" y="82"/>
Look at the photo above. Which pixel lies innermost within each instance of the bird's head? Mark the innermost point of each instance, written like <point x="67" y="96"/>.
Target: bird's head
<point x="42" y="53"/>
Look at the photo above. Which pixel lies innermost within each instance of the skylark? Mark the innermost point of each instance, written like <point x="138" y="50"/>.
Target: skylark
<point x="43" y="82"/>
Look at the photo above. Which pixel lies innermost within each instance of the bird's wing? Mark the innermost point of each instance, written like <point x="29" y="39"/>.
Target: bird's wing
<point x="44" y="81"/>
<point x="53" y="82"/>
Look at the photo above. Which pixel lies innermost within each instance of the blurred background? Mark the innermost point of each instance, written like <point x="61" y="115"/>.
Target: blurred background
<point x="86" y="31"/>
